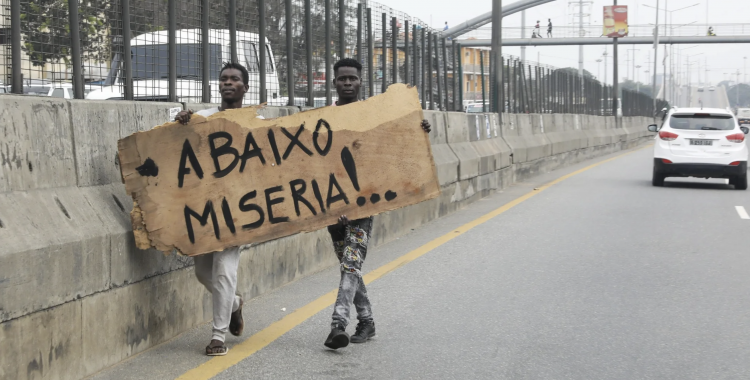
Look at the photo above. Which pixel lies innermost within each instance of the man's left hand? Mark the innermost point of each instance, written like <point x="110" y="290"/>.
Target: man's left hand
<point x="426" y="126"/>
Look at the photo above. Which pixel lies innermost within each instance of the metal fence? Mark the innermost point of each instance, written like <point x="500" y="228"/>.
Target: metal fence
<point x="172" y="50"/>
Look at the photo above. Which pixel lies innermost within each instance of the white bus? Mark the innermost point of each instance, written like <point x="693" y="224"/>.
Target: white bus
<point x="150" y="67"/>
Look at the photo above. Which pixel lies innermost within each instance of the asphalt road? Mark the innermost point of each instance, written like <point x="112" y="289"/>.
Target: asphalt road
<point x="600" y="276"/>
<point x="691" y="97"/>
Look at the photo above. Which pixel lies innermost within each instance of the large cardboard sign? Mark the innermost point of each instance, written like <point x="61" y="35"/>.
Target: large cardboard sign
<point x="232" y="179"/>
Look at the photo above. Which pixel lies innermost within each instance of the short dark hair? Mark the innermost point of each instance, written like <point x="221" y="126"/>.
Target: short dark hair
<point x="347" y="62"/>
<point x="237" y="66"/>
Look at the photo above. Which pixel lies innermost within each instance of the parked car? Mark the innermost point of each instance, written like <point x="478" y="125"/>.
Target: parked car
<point x="477" y="108"/>
<point x="150" y="70"/>
<point x="704" y="143"/>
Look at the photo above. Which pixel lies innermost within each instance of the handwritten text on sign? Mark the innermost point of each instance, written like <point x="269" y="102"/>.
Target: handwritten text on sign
<point x="234" y="179"/>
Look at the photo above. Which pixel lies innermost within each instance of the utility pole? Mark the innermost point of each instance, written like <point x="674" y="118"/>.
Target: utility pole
<point x="737" y="91"/>
<point x="656" y="53"/>
<point x="637" y="83"/>
<point x="523" y="35"/>
<point x="605" y="66"/>
<point x="581" y="17"/>
<point x="580" y="34"/>
<point x="664" y="63"/>
<point x="615" y="81"/>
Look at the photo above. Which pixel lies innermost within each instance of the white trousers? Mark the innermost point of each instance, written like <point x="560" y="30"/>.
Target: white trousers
<point x="218" y="273"/>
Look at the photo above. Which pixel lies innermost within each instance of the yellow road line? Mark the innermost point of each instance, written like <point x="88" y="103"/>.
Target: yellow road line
<point x="264" y="337"/>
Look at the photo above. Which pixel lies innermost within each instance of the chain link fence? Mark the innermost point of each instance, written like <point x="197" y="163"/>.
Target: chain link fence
<point x="172" y="50"/>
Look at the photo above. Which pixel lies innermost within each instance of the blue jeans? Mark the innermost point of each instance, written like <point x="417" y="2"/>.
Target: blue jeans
<point x="350" y="245"/>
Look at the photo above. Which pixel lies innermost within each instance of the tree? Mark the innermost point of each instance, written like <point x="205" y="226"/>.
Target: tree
<point x="572" y="71"/>
<point x="46" y="30"/>
<point x="739" y="96"/>
<point x="636" y="86"/>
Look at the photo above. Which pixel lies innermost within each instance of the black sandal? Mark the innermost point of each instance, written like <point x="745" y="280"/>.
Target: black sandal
<point x="216" y="351"/>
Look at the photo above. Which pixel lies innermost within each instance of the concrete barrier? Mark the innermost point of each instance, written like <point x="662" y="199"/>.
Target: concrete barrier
<point x="76" y="296"/>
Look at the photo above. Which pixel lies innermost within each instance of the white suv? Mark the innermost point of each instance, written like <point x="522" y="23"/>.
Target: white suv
<point x="706" y="143"/>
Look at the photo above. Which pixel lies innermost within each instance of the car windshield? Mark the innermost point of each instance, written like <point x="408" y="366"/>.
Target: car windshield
<point x="704" y="122"/>
<point x="152" y="61"/>
<point x="475" y="108"/>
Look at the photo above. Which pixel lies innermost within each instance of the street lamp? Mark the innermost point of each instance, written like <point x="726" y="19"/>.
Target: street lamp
<point x="599" y="69"/>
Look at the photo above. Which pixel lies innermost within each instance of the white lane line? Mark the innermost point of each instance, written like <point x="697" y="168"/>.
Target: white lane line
<point x="742" y="212"/>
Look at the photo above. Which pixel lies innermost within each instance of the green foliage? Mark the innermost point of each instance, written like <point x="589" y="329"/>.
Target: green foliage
<point x="46" y="30"/>
<point x="739" y="96"/>
<point x="573" y="71"/>
<point x="634" y="86"/>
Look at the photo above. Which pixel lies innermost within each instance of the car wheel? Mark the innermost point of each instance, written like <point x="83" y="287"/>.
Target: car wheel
<point x="740" y="182"/>
<point x="657" y="179"/>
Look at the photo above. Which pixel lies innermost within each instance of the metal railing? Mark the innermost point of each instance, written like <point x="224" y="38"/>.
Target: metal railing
<point x="172" y="50"/>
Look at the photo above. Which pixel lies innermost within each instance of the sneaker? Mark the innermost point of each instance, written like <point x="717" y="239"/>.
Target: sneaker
<point x="364" y="332"/>
<point x="338" y="338"/>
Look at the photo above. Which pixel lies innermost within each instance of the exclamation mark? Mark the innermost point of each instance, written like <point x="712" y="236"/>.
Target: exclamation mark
<point x="351" y="169"/>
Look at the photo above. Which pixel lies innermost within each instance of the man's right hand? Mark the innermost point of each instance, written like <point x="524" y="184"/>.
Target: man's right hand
<point x="343" y="220"/>
<point x="183" y="116"/>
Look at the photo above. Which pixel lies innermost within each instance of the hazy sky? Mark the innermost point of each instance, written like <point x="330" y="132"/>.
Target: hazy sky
<point x="720" y="59"/>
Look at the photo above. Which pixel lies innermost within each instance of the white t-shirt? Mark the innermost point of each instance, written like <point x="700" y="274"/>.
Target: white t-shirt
<point x="208" y="112"/>
<point x="211" y="111"/>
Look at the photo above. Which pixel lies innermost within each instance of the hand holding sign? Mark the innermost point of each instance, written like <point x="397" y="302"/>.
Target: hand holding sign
<point x="233" y="179"/>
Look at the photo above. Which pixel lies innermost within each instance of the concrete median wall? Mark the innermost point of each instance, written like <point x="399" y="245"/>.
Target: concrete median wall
<point x="76" y="296"/>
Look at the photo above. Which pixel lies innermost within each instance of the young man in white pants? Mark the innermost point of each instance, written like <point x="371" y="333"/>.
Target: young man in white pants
<point x="218" y="271"/>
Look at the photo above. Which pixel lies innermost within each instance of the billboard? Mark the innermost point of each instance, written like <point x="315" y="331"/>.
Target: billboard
<point x="615" y="21"/>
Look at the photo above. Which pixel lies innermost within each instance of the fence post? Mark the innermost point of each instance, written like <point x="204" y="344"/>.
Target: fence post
<point x="205" y="50"/>
<point x="15" y="41"/>
<point x="263" y="96"/>
<point x="308" y="53"/>
<point x="342" y="29"/>
<point x="172" y="47"/>
<point x="232" y="30"/>
<point x="429" y="71"/>
<point x="445" y="76"/>
<point x="407" y="73"/>
<point x="394" y="49"/>
<point x="456" y="78"/>
<point x="359" y="33"/>
<point x="384" y="51"/>
<point x="481" y="75"/>
<point x="370" y="53"/>
<point x="509" y="98"/>
<point x="415" y="56"/>
<point x="423" y="70"/>
<point x="127" y="62"/>
<point x="329" y="74"/>
<point x="289" y="54"/>
<point x="437" y="73"/>
<point x="75" y="48"/>
<point x="460" y="80"/>
<point x="328" y="63"/>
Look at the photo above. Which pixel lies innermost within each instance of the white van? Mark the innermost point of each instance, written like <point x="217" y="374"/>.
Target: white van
<point x="149" y="54"/>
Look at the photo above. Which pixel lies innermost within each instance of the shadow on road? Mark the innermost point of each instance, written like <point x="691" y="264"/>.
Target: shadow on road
<point x="697" y="185"/>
